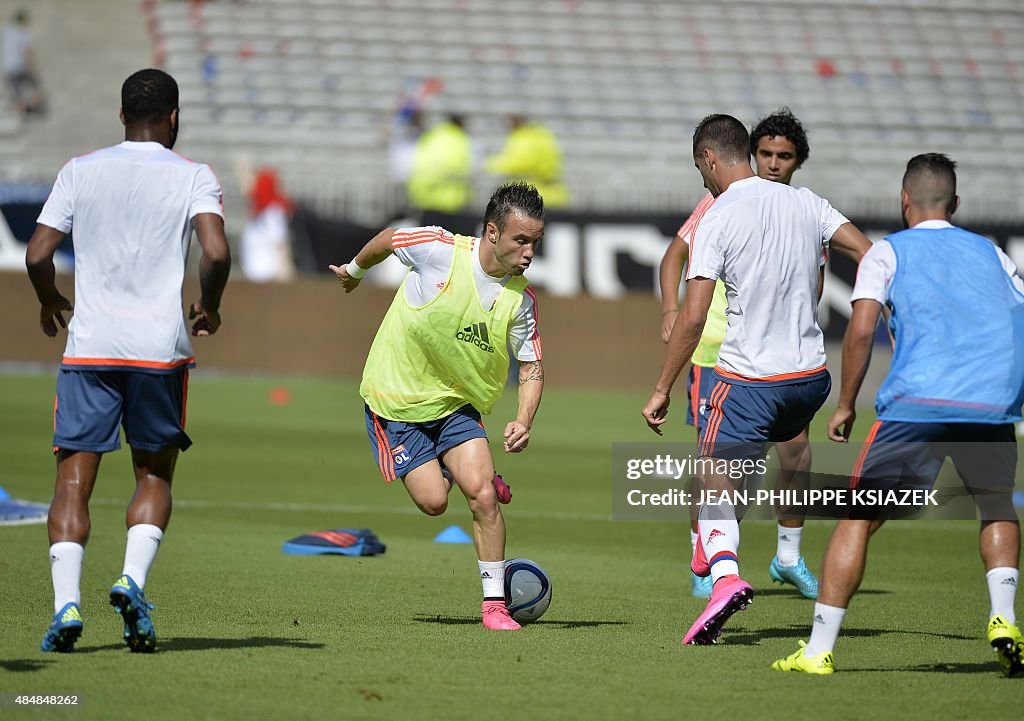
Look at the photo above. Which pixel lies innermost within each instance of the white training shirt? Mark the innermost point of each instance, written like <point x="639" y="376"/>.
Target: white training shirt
<point x="429" y="252"/>
<point x="878" y="267"/>
<point x="766" y="241"/>
<point x="131" y="208"/>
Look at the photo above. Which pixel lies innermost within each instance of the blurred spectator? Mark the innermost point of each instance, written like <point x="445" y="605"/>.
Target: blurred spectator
<point x="442" y="167"/>
<point x="405" y="132"/>
<point x="531" y="153"/>
<point x="19" y="66"/>
<point x="266" y="241"/>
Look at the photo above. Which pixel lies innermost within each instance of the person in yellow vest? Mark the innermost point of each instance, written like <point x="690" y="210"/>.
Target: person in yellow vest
<point x="531" y="153"/>
<point x="440" y="360"/>
<point x="442" y="168"/>
<point x="779" y="146"/>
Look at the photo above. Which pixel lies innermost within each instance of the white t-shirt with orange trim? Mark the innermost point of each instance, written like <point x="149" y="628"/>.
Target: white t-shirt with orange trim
<point x="429" y="253"/>
<point x="766" y="241"/>
<point x="131" y="208"/>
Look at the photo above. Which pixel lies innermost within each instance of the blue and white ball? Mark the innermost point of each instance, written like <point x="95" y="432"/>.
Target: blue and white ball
<point x="527" y="590"/>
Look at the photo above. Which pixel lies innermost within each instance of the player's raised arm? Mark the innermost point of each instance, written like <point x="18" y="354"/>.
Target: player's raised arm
<point x="374" y="252"/>
<point x="670" y="275"/>
<point x="531" y="388"/>
<point x="214" y="269"/>
<point x="39" y="261"/>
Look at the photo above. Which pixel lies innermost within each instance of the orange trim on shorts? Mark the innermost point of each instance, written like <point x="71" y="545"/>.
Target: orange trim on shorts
<point x="184" y="398"/>
<point x="769" y="379"/>
<point x="55" y="448"/>
<point x="712" y="416"/>
<point x="858" y="467"/>
<point x="695" y="396"/>
<point x="126" y="363"/>
<point x="385" y="461"/>
<point x="721" y="416"/>
<point x="716" y="402"/>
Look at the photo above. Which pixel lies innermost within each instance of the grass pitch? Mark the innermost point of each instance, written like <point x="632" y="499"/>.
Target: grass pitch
<point x="247" y="632"/>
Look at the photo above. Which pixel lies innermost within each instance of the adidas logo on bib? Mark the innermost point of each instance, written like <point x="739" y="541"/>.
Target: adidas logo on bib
<point x="477" y="335"/>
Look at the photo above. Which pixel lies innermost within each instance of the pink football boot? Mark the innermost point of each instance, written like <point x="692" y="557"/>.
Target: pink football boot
<point x="729" y="595"/>
<point x="503" y="490"/>
<point x="496" y="617"/>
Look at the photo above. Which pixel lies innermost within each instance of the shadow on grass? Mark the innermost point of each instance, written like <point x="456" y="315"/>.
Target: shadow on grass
<point x="790" y="591"/>
<point x="989" y="667"/>
<point x="740" y="635"/>
<point x="24" y="665"/>
<point x="475" y="621"/>
<point x="171" y="645"/>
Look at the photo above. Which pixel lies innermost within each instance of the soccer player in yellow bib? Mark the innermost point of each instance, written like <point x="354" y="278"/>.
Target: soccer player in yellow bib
<point x="779" y="146"/>
<point x="440" y="360"/>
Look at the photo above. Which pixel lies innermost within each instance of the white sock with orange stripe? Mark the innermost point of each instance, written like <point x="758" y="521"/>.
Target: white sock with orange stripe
<point x="720" y="536"/>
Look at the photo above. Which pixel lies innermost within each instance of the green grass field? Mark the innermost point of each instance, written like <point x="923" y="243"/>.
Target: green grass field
<point x="247" y="632"/>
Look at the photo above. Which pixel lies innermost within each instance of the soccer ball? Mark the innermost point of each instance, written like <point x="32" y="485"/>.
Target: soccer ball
<point x="527" y="590"/>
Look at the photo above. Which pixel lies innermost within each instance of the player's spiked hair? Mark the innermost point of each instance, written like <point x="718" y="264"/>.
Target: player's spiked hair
<point x="148" y="96"/>
<point x="930" y="180"/>
<point x="512" y="196"/>
<point x="724" y="134"/>
<point x="782" y="123"/>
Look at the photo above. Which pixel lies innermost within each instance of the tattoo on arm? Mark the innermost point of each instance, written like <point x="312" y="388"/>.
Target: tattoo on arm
<point x="530" y="371"/>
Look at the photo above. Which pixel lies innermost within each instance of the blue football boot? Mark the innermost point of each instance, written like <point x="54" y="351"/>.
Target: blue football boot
<point x="799" y="575"/>
<point x="128" y="600"/>
<point x="64" y="630"/>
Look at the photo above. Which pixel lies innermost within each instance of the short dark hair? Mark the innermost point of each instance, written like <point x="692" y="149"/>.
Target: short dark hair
<point x="782" y="123"/>
<point x="512" y="196"/>
<point x="724" y="134"/>
<point x="930" y="180"/>
<point x="148" y="96"/>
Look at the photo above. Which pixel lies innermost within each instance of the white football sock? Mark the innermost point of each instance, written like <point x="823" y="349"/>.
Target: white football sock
<point x="788" y="549"/>
<point x="492" y="576"/>
<point x="721" y="540"/>
<point x="1002" y="589"/>
<point x="66" y="571"/>
<point x="825" y="629"/>
<point x="140" y="551"/>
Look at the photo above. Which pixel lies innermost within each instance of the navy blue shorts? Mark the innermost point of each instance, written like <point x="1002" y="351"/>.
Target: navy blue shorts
<point x="899" y="455"/>
<point x="91" y="405"/>
<point x="745" y="416"/>
<point x="400" y="447"/>
<point x="697" y="395"/>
